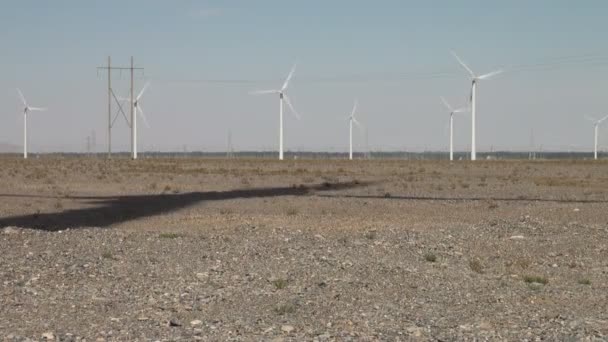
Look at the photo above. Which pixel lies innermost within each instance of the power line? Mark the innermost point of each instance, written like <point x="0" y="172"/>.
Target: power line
<point x="588" y="60"/>
<point x="112" y="96"/>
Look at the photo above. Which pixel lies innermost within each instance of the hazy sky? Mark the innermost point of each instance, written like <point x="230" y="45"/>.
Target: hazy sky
<point x="392" y="55"/>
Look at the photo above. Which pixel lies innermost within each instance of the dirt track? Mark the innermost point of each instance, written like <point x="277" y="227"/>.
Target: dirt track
<point x="205" y="249"/>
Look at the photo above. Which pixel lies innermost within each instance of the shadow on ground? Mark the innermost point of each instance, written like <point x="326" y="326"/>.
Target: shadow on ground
<point x="463" y="199"/>
<point x="106" y="211"/>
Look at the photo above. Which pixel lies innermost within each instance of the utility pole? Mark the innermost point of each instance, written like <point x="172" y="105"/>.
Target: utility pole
<point x="111" y="95"/>
<point x="109" y="107"/>
<point x="230" y="149"/>
<point x="88" y="145"/>
<point x="93" y="142"/>
<point x="133" y="120"/>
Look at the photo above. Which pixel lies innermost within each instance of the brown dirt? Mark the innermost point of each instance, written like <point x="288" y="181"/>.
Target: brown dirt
<point x="185" y="249"/>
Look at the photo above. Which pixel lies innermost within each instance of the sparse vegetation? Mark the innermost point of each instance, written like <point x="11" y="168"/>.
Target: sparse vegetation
<point x="584" y="281"/>
<point x="107" y="255"/>
<point x="169" y="235"/>
<point x="476" y="266"/>
<point x="536" y="279"/>
<point x="284" y="309"/>
<point x="430" y="257"/>
<point x="280" y="283"/>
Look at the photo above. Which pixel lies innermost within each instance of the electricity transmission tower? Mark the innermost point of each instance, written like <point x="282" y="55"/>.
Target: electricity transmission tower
<point x="230" y="148"/>
<point x="112" y="97"/>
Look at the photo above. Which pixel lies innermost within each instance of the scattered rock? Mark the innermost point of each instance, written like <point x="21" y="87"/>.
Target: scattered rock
<point x="174" y="323"/>
<point x="287" y="328"/>
<point x="48" y="336"/>
<point x="196" y="322"/>
<point x="10" y="230"/>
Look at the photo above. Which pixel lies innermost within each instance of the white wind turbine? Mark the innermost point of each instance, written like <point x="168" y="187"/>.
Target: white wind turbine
<point x="452" y="112"/>
<point x="474" y="80"/>
<point x="26" y="110"/>
<point x="351" y="120"/>
<point x="282" y="98"/>
<point x="137" y="109"/>
<point x="596" y="126"/>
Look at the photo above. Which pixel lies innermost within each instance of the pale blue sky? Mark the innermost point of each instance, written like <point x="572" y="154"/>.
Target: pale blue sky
<point x="391" y="55"/>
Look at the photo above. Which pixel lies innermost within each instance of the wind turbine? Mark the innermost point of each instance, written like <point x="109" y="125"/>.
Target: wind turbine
<point x="452" y="112"/>
<point x="351" y="120"/>
<point x="596" y="125"/>
<point x="474" y="80"/>
<point x="137" y="109"/>
<point x="282" y="98"/>
<point x="26" y="110"/>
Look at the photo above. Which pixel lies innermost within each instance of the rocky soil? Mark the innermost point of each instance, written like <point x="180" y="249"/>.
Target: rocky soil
<point x="229" y="250"/>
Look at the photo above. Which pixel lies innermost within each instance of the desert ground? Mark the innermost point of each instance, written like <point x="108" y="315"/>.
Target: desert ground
<point x="317" y="250"/>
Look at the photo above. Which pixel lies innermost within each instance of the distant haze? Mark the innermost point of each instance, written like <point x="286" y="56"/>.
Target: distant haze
<point x="204" y="57"/>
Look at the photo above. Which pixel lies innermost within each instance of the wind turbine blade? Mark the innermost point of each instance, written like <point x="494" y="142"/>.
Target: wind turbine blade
<point x="461" y="110"/>
<point x="288" y="101"/>
<point x="352" y="114"/>
<point x="446" y="104"/>
<point x="286" y="84"/>
<point x="142" y="90"/>
<point x="22" y="97"/>
<point x="602" y="119"/>
<point x="490" y="75"/>
<point x="143" y="116"/>
<point x="261" y="92"/>
<point x="359" y="125"/>
<point x="39" y="109"/>
<point x="463" y="64"/>
<point x="588" y="118"/>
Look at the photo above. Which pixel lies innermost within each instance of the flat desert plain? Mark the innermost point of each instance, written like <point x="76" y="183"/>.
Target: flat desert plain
<point x="318" y="250"/>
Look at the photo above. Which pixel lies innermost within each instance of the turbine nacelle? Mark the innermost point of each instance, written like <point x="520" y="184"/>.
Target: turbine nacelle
<point x="27" y="108"/>
<point x="474" y="77"/>
<point x="451" y="109"/>
<point x="282" y="95"/>
<point x="595" y="121"/>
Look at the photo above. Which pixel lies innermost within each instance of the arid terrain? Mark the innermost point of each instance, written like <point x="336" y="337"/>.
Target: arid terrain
<point x="241" y="250"/>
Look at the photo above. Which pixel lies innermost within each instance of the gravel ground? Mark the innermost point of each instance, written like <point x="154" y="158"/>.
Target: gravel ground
<point x="220" y="250"/>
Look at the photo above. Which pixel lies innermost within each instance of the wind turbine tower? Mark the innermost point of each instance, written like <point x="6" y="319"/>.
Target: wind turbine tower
<point x="474" y="80"/>
<point x="596" y="126"/>
<point x="282" y="98"/>
<point x="26" y="110"/>
<point x="452" y="112"/>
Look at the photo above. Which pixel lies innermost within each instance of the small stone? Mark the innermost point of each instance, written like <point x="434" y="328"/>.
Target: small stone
<point x="287" y="328"/>
<point x="142" y="318"/>
<point x="10" y="230"/>
<point x="576" y="210"/>
<point x="414" y="331"/>
<point x="48" y="336"/>
<point x="517" y="237"/>
<point x="196" y="322"/>
<point x="174" y="323"/>
<point x="324" y="337"/>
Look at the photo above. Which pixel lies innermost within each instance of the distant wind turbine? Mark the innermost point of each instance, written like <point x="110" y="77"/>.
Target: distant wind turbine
<point x="26" y="110"/>
<point x="452" y="112"/>
<point x="474" y="80"/>
<point x="596" y="125"/>
<point x="351" y="120"/>
<point x="137" y="109"/>
<point x="282" y="98"/>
